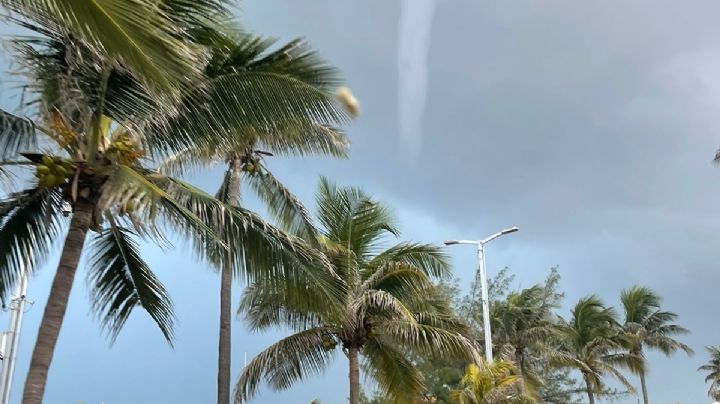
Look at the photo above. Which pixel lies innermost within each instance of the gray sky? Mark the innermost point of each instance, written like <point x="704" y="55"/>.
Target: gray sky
<point x="590" y="125"/>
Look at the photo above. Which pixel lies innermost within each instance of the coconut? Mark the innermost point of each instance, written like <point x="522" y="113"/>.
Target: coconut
<point x="48" y="180"/>
<point x="60" y="171"/>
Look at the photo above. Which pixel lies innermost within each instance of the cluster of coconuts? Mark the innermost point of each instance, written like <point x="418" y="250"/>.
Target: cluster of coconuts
<point x="250" y="166"/>
<point x="54" y="171"/>
<point x="124" y="150"/>
<point x="328" y="343"/>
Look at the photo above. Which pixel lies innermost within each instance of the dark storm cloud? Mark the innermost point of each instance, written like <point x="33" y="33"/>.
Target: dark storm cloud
<point x="590" y="125"/>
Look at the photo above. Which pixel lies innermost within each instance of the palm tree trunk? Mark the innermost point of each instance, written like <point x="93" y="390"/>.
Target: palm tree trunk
<point x="57" y="304"/>
<point x="644" y="388"/>
<point x="224" y="343"/>
<point x="354" y="376"/>
<point x="591" y="395"/>
<point x="520" y="362"/>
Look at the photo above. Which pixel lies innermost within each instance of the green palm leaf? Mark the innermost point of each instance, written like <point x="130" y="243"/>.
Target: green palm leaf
<point x="30" y="222"/>
<point x="291" y="359"/>
<point x="126" y="184"/>
<point x="258" y="250"/>
<point x="490" y="383"/>
<point x="400" y="280"/>
<point x="396" y="375"/>
<point x="140" y="34"/>
<point x="282" y="204"/>
<point x="237" y="108"/>
<point x="265" y="306"/>
<point x="234" y="52"/>
<point x="120" y="280"/>
<point x="425" y="257"/>
<point x="16" y="135"/>
<point x="428" y="339"/>
<point x="353" y="220"/>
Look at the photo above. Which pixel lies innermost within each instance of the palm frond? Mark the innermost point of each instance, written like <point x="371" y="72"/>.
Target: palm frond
<point x="283" y="205"/>
<point x="631" y="361"/>
<point x="16" y="135"/>
<point x="428" y="339"/>
<point x="267" y="305"/>
<point x="619" y="376"/>
<point x="295" y="59"/>
<point x="126" y="184"/>
<point x="443" y="320"/>
<point x="291" y="359"/>
<point x="137" y="33"/>
<point x="429" y="259"/>
<point x="382" y="303"/>
<point x="560" y="359"/>
<point x="396" y="375"/>
<point x="120" y="280"/>
<point x="400" y="280"/>
<point x="306" y="138"/>
<point x="353" y="219"/>
<point x="493" y="382"/>
<point x="235" y="109"/>
<point x="30" y="222"/>
<point x="187" y="160"/>
<point x="258" y="250"/>
<point x="639" y="303"/>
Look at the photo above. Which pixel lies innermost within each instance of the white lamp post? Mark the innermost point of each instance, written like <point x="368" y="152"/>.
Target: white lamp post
<point x="11" y="338"/>
<point x="483" y="283"/>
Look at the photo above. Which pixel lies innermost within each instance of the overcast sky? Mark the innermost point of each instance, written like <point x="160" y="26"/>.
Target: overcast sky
<point x="589" y="125"/>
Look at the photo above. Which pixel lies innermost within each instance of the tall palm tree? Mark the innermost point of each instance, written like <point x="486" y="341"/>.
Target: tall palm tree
<point x="591" y="343"/>
<point x="96" y="125"/>
<point x="649" y="327"/>
<point x="520" y="323"/>
<point x="296" y="61"/>
<point x="389" y="306"/>
<point x="490" y="383"/>
<point x="713" y="370"/>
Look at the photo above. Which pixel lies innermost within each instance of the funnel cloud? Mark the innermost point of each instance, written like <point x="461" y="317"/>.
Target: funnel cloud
<point x="414" y="45"/>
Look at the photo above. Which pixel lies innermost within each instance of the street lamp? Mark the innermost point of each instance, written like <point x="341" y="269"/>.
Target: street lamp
<point x="483" y="282"/>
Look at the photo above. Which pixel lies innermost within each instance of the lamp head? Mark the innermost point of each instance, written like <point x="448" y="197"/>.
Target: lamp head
<point x="451" y="242"/>
<point x="510" y="230"/>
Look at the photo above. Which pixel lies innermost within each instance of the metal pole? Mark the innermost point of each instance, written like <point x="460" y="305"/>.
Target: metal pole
<point x="485" y="303"/>
<point x="483" y="283"/>
<point x="12" y="337"/>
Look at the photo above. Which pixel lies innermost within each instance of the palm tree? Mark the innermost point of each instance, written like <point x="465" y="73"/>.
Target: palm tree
<point x="649" y="327"/>
<point x="95" y="123"/>
<point x="490" y="383"/>
<point x="713" y="369"/>
<point x="389" y="307"/>
<point x="590" y="342"/>
<point x="519" y="323"/>
<point x="243" y="52"/>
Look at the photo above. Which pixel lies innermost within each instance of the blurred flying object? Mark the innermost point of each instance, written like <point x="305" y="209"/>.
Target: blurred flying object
<point x="414" y="45"/>
<point x="349" y="101"/>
